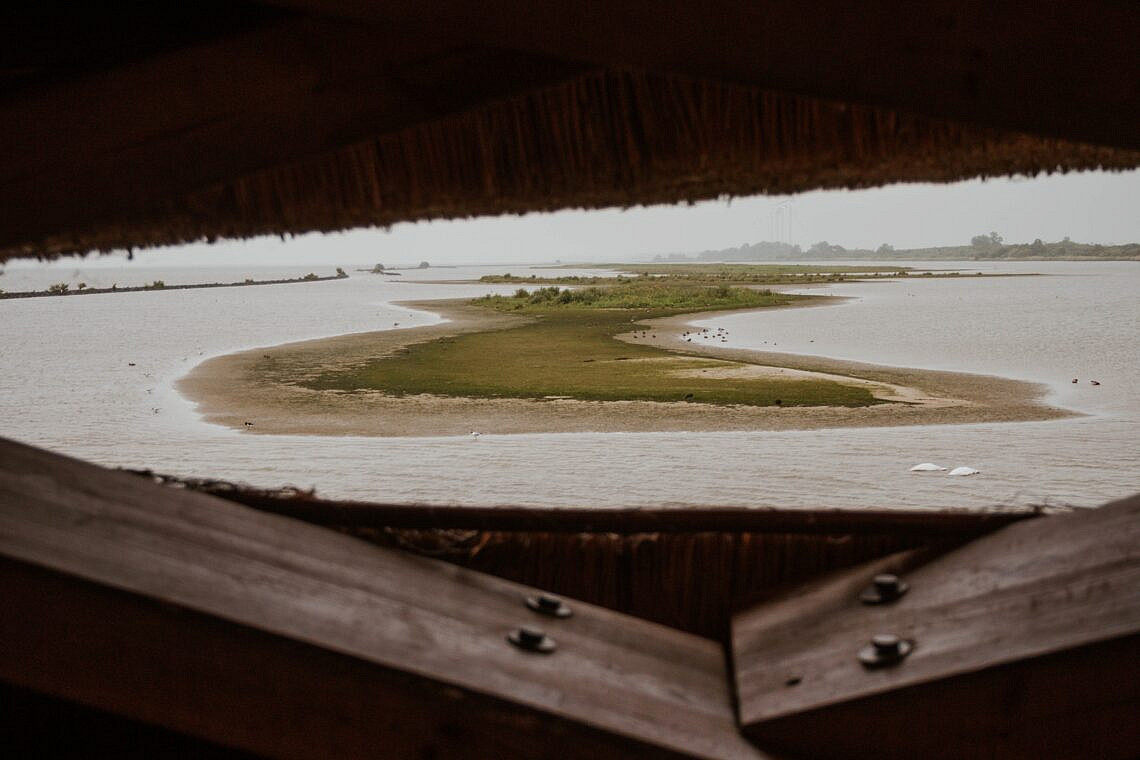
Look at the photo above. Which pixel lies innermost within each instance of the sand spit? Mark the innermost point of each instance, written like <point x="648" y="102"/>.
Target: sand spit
<point x="262" y="387"/>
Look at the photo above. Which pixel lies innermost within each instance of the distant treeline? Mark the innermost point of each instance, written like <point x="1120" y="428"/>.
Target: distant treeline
<point x="991" y="247"/>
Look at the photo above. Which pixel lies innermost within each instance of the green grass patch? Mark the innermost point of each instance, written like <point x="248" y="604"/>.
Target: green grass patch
<point x="750" y="271"/>
<point x="708" y="274"/>
<point x="636" y="295"/>
<point x="568" y="349"/>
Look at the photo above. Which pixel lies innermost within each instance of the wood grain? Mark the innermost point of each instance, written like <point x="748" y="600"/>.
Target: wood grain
<point x="230" y="594"/>
<point x="1013" y="600"/>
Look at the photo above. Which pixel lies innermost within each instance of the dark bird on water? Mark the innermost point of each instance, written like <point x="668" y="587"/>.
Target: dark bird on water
<point x="1094" y="382"/>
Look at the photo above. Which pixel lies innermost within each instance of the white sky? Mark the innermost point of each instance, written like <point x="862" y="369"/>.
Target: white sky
<point x="1093" y="207"/>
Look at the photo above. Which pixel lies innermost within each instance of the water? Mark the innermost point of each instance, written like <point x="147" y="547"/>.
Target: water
<point x="66" y="384"/>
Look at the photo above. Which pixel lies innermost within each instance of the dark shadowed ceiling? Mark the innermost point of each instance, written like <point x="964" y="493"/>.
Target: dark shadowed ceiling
<point x="144" y="123"/>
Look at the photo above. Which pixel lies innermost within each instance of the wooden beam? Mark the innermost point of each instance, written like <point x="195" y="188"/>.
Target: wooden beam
<point x="927" y="523"/>
<point x="117" y="143"/>
<point x="267" y="634"/>
<point x="1025" y="639"/>
<point x="1066" y="69"/>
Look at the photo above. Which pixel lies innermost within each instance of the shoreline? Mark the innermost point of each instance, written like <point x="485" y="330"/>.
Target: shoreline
<point x="260" y="386"/>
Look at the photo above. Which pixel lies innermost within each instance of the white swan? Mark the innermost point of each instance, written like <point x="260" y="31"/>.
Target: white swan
<point x="964" y="471"/>
<point x="927" y="467"/>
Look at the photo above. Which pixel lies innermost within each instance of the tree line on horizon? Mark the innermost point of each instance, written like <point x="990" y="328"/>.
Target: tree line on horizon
<point x="990" y="246"/>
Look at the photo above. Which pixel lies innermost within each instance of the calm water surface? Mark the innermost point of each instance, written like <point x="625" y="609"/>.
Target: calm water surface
<point x="66" y="384"/>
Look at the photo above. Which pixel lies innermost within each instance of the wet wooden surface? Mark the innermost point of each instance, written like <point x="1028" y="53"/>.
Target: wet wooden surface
<point x="275" y="636"/>
<point x="1025" y="634"/>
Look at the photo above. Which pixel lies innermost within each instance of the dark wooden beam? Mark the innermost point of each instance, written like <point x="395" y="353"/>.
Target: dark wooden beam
<point x="1025" y="642"/>
<point x="267" y="634"/>
<point x="1067" y="69"/>
<point x="114" y="144"/>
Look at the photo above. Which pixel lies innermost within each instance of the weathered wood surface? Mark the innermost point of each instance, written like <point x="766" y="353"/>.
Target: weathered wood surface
<point x="1024" y="638"/>
<point x="1065" y="69"/>
<point x="685" y="568"/>
<point x="267" y="634"/>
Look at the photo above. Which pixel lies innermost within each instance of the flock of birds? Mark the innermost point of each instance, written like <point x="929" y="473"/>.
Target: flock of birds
<point x="710" y="335"/>
<point x="707" y="334"/>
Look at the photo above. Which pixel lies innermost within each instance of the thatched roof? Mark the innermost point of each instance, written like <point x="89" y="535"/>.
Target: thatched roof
<point x="240" y="120"/>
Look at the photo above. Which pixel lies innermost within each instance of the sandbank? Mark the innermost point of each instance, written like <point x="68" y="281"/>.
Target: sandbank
<point x="263" y="387"/>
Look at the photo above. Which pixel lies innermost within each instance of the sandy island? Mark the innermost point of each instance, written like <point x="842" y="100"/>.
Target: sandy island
<point x="263" y="387"/>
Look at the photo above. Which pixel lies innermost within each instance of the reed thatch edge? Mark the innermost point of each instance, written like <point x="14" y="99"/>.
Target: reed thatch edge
<point x="602" y="139"/>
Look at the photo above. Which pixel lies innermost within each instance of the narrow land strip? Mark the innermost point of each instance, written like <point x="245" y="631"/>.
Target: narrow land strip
<point x="64" y="289"/>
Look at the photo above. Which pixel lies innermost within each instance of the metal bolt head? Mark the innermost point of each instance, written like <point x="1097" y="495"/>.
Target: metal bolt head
<point x="886" y="644"/>
<point x="886" y="583"/>
<point x="884" y="588"/>
<point x="885" y="649"/>
<point x="548" y="604"/>
<point x="532" y="639"/>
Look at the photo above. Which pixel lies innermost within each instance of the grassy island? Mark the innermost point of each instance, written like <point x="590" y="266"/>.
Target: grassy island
<point x="709" y="274"/>
<point x="565" y="345"/>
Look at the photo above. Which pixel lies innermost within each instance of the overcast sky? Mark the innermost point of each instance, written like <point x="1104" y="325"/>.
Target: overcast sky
<point x="1094" y="207"/>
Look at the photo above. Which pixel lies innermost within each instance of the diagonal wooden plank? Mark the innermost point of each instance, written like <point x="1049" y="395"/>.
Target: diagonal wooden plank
<point x="1012" y="629"/>
<point x="204" y="579"/>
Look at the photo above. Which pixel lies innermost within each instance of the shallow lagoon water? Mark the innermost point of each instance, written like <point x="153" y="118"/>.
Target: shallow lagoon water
<point x="66" y="384"/>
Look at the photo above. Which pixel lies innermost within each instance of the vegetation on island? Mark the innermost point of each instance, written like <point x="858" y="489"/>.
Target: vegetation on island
<point x="710" y="274"/>
<point x="744" y="275"/>
<point x="381" y="269"/>
<point x="566" y="347"/>
<point x="635" y="295"/>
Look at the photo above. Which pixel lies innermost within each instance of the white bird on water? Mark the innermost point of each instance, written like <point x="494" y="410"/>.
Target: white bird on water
<point x="475" y="434"/>
<point x="964" y="471"/>
<point x="927" y="467"/>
